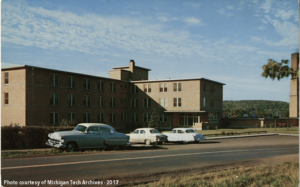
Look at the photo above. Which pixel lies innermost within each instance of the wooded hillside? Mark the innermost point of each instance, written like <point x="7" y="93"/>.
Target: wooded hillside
<point x="261" y="108"/>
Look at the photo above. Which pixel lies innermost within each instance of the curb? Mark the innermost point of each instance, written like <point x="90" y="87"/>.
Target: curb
<point x="242" y="136"/>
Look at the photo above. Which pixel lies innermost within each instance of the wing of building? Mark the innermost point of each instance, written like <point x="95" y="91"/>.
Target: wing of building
<point x="35" y="96"/>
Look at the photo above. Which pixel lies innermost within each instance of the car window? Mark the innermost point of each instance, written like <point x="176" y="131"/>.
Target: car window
<point x="105" y="130"/>
<point x="174" y="131"/>
<point x="93" y="130"/>
<point x="153" y="131"/>
<point x="180" y="131"/>
<point x="80" y="128"/>
<point x="190" y="131"/>
<point x="136" y="132"/>
<point x="142" y="132"/>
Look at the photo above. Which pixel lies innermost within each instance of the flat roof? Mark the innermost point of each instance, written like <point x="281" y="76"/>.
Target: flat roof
<point x="122" y="67"/>
<point x="171" y="80"/>
<point x="48" y="69"/>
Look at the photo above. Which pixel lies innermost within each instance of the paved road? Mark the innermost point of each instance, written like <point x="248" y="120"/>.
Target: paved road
<point x="114" y="164"/>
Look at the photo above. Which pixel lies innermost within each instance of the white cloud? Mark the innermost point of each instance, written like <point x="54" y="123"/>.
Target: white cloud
<point x="266" y="6"/>
<point x="192" y="21"/>
<point x="223" y="12"/>
<point x="192" y="4"/>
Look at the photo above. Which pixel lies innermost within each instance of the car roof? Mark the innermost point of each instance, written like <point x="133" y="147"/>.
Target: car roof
<point x="145" y="128"/>
<point x="183" y="129"/>
<point x="96" y="124"/>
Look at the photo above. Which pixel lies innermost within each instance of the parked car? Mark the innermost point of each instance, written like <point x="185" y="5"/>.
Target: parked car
<point x="147" y="136"/>
<point x="88" y="135"/>
<point x="184" y="135"/>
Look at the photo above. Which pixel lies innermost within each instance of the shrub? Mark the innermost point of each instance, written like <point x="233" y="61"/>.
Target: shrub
<point x="271" y="125"/>
<point x="27" y="137"/>
<point x="208" y="127"/>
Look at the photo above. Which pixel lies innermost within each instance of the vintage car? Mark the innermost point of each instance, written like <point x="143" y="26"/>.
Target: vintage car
<point x="147" y="136"/>
<point x="184" y="135"/>
<point x="88" y="135"/>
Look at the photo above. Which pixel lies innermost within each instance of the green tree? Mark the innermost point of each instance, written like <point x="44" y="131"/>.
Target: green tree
<point x="278" y="70"/>
<point x="154" y="121"/>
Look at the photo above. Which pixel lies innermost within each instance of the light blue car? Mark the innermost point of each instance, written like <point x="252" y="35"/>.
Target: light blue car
<point x="88" y="135"/>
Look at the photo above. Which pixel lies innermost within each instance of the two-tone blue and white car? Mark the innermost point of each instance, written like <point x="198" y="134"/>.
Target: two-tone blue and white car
<point x="88" y="135"/>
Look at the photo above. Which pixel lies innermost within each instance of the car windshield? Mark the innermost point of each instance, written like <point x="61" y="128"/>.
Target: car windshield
<point x="153" y="131"/>
<point x="80" y="128"/>
<point x="190" y="131"/>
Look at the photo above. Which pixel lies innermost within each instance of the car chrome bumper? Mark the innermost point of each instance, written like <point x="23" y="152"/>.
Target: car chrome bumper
<point x="55" y="145"/>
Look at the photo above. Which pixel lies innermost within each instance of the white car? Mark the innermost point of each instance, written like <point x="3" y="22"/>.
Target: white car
<point x="184" y="135"/>
<point x="147" y="136"/>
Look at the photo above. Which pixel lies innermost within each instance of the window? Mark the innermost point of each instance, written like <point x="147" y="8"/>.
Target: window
<point x="142" y="132"/>
<point x="87" y="84"/>
<point x="134" y="117"/>
<point x="54" y="99"/>
<point x="147" y="88"/>
<point x="163" y="87"/>
<point x="212" y="88"/>
<point x="71" y="117"/>
<point x="113" y="102"/>
<point x="147" y="103"/>
<point x="113" y="87"/>
<point x="100" y="86"/>
<point x="177" y="86"/>
<point x="177" y="102"/>
<point x="163" y="102"/>
<point x="112" y="117"/>
<point x="204" y="101"/>
<point x="134" y="103"/>
<point x="6" y="77"/>
<point x="212" y="102"/>
<point x="147" y="117"/>
<point x="71" y="100"/>
<point x="6" y="98"/>
<point x="124" y="101"/>
<point x="87" y="117"/>
<point x="134" y="89"/>
<point x="163" y="118"/>
<point x="87" y="100"/>
<point x="100" y="102"/>
<point x="188" y="119"/>
<point x="100" y="118"/>
<point x="93" y="130"/>
<point x="71" y="82"/>
<point x="53" y="79"/>
<point x="53" y="118"/>
<point x="124" y="117"/>
<point x="213" y="118"/>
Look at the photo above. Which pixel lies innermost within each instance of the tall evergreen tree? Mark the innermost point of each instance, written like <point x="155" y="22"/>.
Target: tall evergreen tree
<point x="154" y="121"/>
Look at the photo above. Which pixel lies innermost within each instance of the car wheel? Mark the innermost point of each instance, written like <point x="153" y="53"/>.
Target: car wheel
<point x="114" y="147"/>
<point x="148" y="142"/>
<point x="71" y="147"/>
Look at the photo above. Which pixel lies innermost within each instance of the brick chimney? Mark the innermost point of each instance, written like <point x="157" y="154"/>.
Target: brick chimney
<point x="294" y="94"/>
<point x="131" y="65"/>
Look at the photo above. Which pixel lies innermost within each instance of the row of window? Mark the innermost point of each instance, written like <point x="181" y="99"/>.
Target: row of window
<point x="54" y="118"/>
<point x="86" y="83"/>
<point x="163" y="87"/>
<point x="211" y="88"/>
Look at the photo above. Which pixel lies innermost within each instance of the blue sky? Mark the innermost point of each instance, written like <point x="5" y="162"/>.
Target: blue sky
<point x="223" y="40"/>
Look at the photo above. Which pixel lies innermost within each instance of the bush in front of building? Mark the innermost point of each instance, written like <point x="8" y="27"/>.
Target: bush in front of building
<point x="27" y="137"/>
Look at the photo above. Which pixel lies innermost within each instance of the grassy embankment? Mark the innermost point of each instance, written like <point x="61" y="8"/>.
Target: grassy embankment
<point x="284" y="174"/>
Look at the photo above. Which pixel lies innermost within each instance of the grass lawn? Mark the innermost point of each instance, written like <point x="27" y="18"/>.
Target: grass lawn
<point x="283" y="174"/>
<point x="293" y="130"/>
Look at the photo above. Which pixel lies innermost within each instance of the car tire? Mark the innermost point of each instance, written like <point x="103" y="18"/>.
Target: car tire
<point x="114" y="147"/>
<point x="71" y="147"/>
<point x="148" y="142"/>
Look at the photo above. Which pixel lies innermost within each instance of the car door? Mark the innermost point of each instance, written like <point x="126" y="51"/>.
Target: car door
<point x="141" y="136"/>
<point x="173" y="136"/>
<point x="134" y="136"/>
<point x="92" y="137"/>
<point x="181" y="135"/>
<point x="108" y="136"/>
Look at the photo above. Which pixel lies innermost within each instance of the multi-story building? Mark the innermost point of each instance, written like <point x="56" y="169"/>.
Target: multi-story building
<point x="34" y="96"/>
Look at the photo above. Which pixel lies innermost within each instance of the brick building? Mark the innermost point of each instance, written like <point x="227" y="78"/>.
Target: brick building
<point x="34" y="96"/>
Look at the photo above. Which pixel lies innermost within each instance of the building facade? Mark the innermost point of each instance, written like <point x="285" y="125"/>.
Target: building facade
<point x="34" y="96"/>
